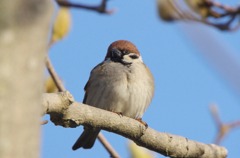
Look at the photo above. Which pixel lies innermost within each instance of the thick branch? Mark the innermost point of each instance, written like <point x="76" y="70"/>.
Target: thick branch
<point x="163" y="143"/>
<point x="56" y="102"/>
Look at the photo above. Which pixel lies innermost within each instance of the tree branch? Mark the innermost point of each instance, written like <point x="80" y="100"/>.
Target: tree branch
<point x="101" y="8"/>
<point x="223" y="128"/>
<point x="166" y="144"/>
<point x="208" y="12"/>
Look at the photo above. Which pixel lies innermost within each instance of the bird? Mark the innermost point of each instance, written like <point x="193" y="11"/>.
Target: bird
<point x="122" y="83"/>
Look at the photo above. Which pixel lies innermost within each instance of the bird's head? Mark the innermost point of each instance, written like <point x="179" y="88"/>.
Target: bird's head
<point x="124" y="52"/>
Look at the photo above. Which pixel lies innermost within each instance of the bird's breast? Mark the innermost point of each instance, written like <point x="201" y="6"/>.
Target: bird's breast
<point x="127" y="90"/>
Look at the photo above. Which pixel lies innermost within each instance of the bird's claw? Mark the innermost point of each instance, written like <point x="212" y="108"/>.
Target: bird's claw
<point x="119" y="113"/>
<point x="142" y="122"/>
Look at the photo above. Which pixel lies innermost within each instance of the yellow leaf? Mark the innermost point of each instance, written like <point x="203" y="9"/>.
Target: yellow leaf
<point x="50" y="86"/>
<point x="61" y="25"/>
<point x="139" y="152"/>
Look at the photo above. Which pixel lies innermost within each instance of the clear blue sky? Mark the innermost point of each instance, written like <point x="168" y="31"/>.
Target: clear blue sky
<point x="185" y="82"/>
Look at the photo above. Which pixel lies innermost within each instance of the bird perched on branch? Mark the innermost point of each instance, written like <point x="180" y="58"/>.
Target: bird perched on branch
<point x="122" y="83"/>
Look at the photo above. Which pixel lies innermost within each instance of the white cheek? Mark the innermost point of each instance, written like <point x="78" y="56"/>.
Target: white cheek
<point x="126" y="58"/>
<point x="129" y="59"/>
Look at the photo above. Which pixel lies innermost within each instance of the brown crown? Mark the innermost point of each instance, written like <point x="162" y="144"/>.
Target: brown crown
<point x="122" y="45"/>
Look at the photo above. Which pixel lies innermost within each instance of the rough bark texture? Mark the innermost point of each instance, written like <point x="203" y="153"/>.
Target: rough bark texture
<point x="166" y="144"/>
<point x="24" y="28"/>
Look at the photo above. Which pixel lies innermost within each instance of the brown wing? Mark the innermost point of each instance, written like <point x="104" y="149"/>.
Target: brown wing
<point x="86" y="93"/>
<point x="88" y="84"/>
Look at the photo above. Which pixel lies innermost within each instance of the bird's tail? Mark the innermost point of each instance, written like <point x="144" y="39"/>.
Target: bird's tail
<point x="87" y="139"/>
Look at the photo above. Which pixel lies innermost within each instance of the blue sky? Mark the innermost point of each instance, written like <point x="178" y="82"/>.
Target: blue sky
<point x="186" y="83"/>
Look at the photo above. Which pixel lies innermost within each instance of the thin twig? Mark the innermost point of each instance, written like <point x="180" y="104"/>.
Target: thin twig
<point x="221" y="6"/>
<point x="215" y="114"/>
<point x="54" y="75"/>
<point x="108" y="146"/>
<point x="222" y="11"/>
<point x="234" y="124"/>
<point x="223" y="128"/>
<point x="101" y="8"/>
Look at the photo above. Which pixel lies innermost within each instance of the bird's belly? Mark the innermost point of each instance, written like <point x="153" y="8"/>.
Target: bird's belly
<point x="125" y="99"/>
<point x="129" y="93"/>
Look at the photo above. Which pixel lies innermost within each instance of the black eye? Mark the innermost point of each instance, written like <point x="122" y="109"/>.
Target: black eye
<point x="125" y="52"/>
<point x="133" y="56"/>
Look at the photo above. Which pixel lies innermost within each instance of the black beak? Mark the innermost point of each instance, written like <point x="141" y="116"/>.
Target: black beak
<point x="116" y="54"/>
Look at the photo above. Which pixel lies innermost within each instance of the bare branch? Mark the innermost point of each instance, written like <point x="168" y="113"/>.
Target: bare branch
<point x="223" y="128"/>
<point x="235" y="124"/>
<point x="215" y="114"/>
<point x="208" y="12"/>
<point x="108" y="146"/>
<point x="101" y="8"/>
<point x="54" y="75"/>
<point x="163" y="143"/>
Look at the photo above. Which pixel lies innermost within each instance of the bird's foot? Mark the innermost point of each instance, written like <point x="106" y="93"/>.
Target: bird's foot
<point x="119" y="113"/>
<point x="142" y="122"/>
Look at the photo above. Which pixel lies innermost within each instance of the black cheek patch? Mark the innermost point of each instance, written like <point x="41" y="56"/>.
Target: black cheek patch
<point x="133" y="56"/>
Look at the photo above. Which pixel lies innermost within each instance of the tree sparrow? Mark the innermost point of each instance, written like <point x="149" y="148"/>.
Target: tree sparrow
<point x="122" y="83"/>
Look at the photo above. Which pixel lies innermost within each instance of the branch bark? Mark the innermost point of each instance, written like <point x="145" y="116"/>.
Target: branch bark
<point x="166" y="144"/>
